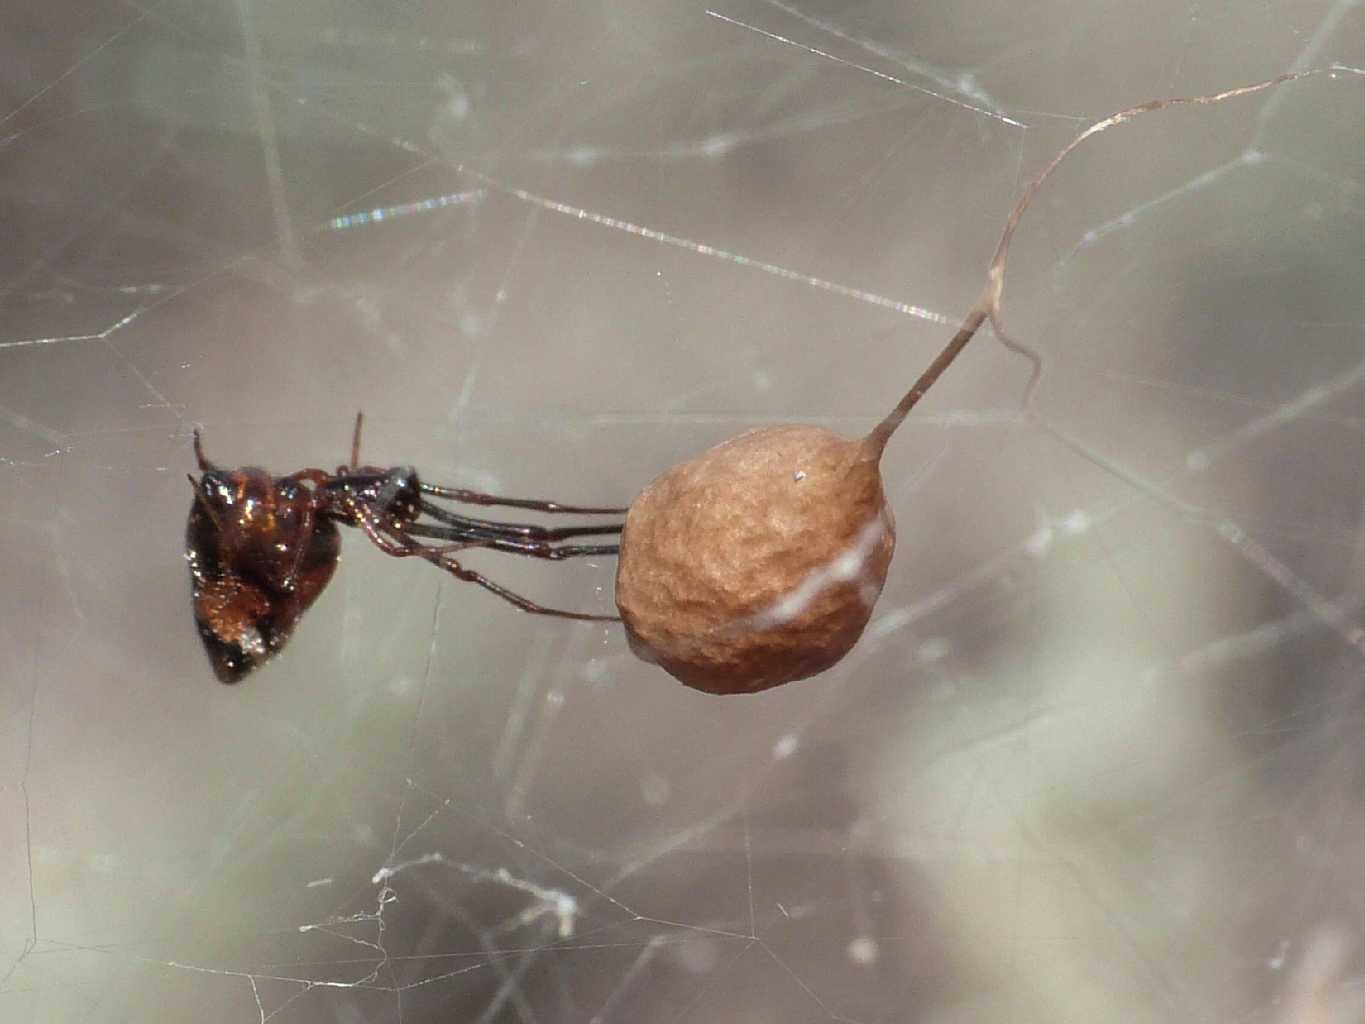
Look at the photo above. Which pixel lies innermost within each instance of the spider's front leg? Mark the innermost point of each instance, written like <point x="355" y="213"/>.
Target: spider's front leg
<point x="534" y="546"/>
<point x="468" y="497"/>
<point x="459" y="527"/>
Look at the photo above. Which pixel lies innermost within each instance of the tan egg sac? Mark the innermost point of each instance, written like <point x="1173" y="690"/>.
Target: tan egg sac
<point x="759" y="561"/>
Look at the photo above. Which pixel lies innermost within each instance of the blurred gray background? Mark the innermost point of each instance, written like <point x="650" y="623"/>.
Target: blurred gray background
<point x="1098" y="757"/>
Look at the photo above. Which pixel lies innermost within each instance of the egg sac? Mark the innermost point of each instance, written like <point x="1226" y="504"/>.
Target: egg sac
<point x="758" y="562"/>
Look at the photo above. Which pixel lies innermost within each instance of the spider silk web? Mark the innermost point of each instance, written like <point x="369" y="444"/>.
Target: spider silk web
<point x="1098" y="755"/>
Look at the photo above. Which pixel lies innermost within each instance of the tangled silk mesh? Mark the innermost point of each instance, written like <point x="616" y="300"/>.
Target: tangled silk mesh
<point x="1096" y="756"/>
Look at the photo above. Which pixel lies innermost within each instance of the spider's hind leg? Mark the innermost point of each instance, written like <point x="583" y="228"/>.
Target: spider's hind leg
<point x="205" y="465"/>
<point x="355" y="439"/>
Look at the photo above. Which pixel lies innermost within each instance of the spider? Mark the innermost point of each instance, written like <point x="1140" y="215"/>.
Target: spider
<point x="261" y="548"/>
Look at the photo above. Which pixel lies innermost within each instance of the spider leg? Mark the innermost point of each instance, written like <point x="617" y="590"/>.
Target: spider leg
<point x="511" y="529"/>
<point x="533" y="548"/>
<point x="380" y="538"/>
<point x="204" y="464"/>
<point x="355" y="439"/>
<point x="403" y="548"/>
<point x="511" y="597"/>
<point x="479" y="498"/>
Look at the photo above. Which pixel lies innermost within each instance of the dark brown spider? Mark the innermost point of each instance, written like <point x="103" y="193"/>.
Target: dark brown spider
<point x="261" y="548"/>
